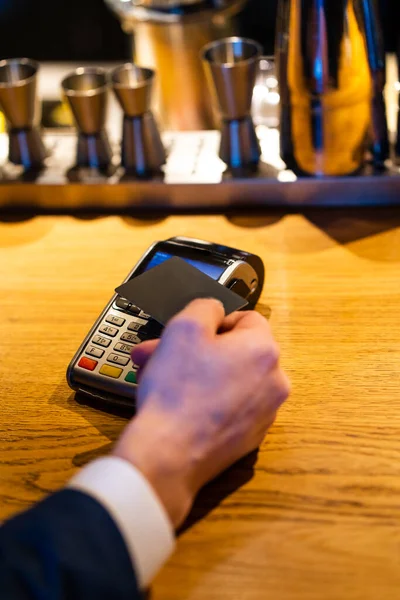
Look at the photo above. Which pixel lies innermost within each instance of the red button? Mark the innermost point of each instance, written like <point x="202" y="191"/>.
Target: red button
<point x="87" y="363"/>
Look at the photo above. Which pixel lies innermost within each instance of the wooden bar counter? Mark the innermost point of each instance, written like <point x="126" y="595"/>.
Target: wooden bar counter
<point x="317" y="514"/>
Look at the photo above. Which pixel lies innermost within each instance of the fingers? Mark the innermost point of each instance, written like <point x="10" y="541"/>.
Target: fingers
<point x="230" y="322"/>
<point x="249" y="333"/>
<point x="142" y="353"/>
<point x="200" y="316"/>
<point x="277" y="390"/>
<point x="248" y="320"/>
<point x="283" y="388"/>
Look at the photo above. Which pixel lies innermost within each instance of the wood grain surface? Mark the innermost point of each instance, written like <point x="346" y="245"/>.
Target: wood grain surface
<point x="317" y="514"/>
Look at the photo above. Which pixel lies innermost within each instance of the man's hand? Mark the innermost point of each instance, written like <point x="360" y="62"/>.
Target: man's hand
<point x="208" y="392"/>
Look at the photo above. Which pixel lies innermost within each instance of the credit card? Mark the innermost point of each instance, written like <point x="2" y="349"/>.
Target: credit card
<point x="167" y="289"/>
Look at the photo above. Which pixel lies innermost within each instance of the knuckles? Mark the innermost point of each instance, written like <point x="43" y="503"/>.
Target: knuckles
<point x="284" y="389"/>
<point x="266" y="354"/>
<point x="258" y="321"/>
<point x="185" y="327"/>
<point x="280" y="390"/>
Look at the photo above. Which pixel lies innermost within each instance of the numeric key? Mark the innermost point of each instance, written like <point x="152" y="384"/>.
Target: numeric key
<point x="101" y="341"/>
<point x="114" y="320"/>
<point x="132" y="338"/>
<point x="124" y="348"/>
<point x="118" y="359"/>
<point x="136" y="324"/>
<point x="108" y="330"/>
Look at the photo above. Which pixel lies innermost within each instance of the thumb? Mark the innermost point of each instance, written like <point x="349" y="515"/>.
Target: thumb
<point x="142" y="353"/>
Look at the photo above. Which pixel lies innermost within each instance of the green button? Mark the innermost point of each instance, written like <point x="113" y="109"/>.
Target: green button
<point x="131" y="377"/>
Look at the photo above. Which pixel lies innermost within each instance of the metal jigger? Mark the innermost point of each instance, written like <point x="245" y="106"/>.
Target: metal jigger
<point x="231" y="67"/>
<point x="19" y="103"/>
<point x="142" y="152"/>
<point x="86" y="90"/>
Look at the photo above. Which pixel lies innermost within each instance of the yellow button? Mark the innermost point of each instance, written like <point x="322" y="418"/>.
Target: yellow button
<point x="113" y="372"/>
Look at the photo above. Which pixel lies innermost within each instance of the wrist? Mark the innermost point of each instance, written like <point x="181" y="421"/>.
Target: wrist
<point x="162" y="459"/>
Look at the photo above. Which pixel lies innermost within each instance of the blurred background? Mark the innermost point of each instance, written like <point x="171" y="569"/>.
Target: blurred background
<point x="77" y="30"/>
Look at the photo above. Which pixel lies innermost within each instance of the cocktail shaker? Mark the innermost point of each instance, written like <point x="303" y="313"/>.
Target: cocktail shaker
<point x="168" y="36"/>
<point x="380" y="148"/>
<point x="326" y="86"/>
<point x="397" y="145"/>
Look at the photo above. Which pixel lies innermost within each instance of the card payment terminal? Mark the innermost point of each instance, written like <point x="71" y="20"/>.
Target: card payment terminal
<point x="102" y="371"/>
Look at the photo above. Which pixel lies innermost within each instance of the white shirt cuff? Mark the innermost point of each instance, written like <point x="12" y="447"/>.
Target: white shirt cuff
<point x="134" y="506"/>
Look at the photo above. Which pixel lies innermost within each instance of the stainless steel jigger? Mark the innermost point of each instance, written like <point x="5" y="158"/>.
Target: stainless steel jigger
<point x="19" y="103"/>
<point x="86" y="91"/>
<point x="231" y="68"/>
<point x="142" y="152"/>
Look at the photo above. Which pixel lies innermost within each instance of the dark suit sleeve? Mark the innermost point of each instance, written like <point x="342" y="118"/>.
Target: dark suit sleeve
<point x="65" y="548"/>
